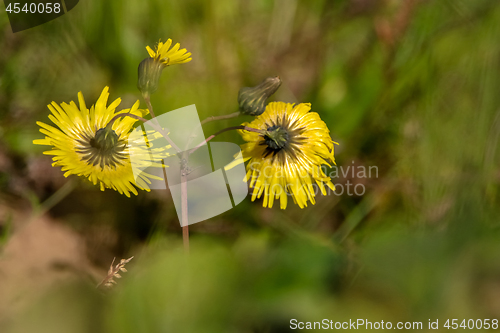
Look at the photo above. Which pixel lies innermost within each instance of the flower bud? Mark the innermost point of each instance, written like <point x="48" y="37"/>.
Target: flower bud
<point x="252" y="100"/>
<point x="149" y="74"/>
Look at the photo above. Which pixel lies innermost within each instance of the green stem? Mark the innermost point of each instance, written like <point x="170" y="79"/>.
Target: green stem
<point x="184" y="201"/>
<point x="148" y="103"/>
<point x="184" y="212"/>
<point x="150" y="108"/>
<point x="250" y="129"/>
<point x="156" y="126"/>
<point x="207" y="120"/>
<point x="57" y="197"/>
<point x="212" y="118"/>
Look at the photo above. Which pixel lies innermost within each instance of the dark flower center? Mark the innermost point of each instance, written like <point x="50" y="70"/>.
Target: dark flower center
<point x="282" y="138"/>
<point x="104" y="149"/>
<point x="276" y="138"/>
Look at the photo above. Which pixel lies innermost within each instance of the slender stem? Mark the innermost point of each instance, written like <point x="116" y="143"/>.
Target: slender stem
<point x="153" y="116"/>
<point x="184" y="213"/>
<point x="184" y="194"/>
<point x="150" y="108"/>
<point x="57" y="197"/>
<point x="156" y="126"/>
<point x="207" y="120"/>
<point x="184" y="201"/>
<point x="148" y="103"/>
<point x="184" y="210"/>
<point x="250" y="129"/>
<point x="125" y="114"/>
<point x="212" y="118"/>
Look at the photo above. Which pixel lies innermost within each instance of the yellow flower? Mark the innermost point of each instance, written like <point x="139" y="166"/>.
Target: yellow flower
<point x="169" y="57"/>
<point x="82" y="145"/>
<point x="286" y="158"/>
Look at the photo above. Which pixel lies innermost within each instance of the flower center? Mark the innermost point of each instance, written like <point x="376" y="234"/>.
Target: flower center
<point x="104" y="140"/>
<point x="104" y="149"/>
<point x="276" y="138"/>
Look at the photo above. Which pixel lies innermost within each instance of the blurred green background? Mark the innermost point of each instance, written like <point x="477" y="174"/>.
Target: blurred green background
<point x="411" y="87"/>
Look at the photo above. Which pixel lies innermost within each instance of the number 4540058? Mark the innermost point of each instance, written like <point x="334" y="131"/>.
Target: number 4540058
<point x="33" y="8"/>
<point x="472" y="324"/>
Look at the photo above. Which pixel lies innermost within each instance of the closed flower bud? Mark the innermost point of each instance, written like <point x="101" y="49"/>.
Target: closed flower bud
<point x="253" y="100"/>
<point x="149" y="74"/>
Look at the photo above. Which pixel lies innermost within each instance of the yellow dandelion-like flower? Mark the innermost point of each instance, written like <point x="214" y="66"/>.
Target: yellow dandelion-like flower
<point x="83" y="146"/>
<point x="169" y="57"/>
<point x="286" y="158"/>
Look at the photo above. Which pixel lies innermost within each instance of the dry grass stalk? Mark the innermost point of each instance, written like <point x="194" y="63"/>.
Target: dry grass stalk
<point x="113" y="272"/>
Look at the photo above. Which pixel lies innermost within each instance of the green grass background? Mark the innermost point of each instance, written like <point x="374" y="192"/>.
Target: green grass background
<point x="410" y="87"/>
